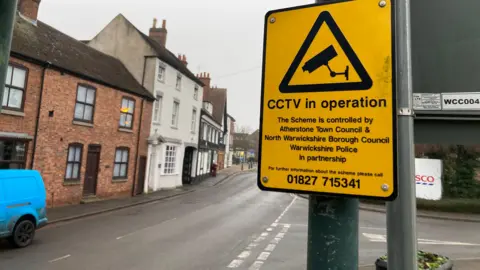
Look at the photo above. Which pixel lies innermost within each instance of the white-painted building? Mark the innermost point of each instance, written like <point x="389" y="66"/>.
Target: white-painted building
<point x="229" y="141"/>
<point x="174" y="135"/>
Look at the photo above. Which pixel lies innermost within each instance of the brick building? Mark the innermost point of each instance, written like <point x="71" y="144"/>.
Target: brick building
<point x="73" y="113"/>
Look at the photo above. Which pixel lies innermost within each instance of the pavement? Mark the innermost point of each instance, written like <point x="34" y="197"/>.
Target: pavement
<point x="427" y="214"/>
<point x="229" y="224"/>
<point x="72" y="212"/>
<point x="420" y="213"/>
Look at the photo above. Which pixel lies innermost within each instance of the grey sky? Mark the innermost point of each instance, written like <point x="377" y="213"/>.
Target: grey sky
<point x="222" y="37"/>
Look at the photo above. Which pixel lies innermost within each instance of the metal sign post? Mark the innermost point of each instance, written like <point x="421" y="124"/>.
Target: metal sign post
<point x="7" y="20"/>
<point x="401" y="213"/>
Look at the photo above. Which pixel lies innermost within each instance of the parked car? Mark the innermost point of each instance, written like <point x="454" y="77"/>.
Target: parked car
<point x="22" y="205"/>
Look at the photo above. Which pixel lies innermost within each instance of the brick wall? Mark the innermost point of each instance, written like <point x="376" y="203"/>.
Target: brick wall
<point x="26" y="123"/>
<point x="58" y="131"/>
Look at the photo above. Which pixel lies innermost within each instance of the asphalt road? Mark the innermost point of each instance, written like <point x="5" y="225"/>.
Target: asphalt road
<point x="229" y="226"/>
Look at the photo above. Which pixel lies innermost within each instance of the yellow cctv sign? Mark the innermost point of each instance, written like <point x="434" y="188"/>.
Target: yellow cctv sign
<point x="328" y="109"/>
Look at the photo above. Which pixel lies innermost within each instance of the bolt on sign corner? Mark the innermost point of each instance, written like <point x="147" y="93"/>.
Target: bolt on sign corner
<point x="328" y="110"/>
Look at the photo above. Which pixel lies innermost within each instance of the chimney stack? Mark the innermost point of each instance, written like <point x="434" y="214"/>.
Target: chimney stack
<point x="205" y="79"/>
<point x="159" y="34"/>
<point x="183" y="58"/>
<point x="29" y="8"/>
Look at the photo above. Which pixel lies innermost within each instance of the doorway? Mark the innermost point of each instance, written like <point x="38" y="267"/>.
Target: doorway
<point x="187" y="165"/>
<point x="142" y="166"/>
<point x="91" y="173"/>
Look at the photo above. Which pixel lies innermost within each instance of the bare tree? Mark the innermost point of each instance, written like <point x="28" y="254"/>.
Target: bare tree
<point x="243" y="129"/>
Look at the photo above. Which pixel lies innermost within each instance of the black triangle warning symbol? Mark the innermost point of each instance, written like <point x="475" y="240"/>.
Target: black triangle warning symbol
<point x="322" y="59"/>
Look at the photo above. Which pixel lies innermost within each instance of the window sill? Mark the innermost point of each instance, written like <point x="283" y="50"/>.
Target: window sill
<point x="193" y="132"/>
<point x="125" y="130"/>
<point x="156" y="123"/>
<point x="71" y="182"/>
<point x="80" y="123"/>
<point x="174" y="174"/>
<point x="13" y="113"/>
<point x="174" y="127"/>
<point x="120" y="180"/>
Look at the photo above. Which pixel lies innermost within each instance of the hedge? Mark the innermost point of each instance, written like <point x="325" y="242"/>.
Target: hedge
<point x="460" y="164"/>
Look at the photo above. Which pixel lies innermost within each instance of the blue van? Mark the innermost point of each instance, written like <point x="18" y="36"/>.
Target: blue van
<point x="22" y="205"/>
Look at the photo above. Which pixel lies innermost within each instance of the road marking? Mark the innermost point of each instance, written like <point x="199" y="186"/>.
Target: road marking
<point x="298" y="224"/>
<point x="276" y="240"/>
<point x="270" y="247"/>
<point x="286" y="209"/>
<point x="373" y="228"/>
<point x="235" y="263"/>
<point x="383" y="239"/>
<point x="244" y="254"/>
<point x="259" y="239"/>
<point x="256" y="265"/>
<point x="263" y="256"/>
<point x="59" y="258"/>
<point x="134" y="232"/>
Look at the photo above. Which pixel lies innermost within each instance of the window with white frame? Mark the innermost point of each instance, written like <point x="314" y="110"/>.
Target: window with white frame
<point x="178" y="85"/>
<point x="170" y="159"/>
<point x="175" y="111"/>
<point x="195" y="93"/>
<point x="157" y="109"/>
<point x="194" y="120"/>
<point x="161" y="72"/>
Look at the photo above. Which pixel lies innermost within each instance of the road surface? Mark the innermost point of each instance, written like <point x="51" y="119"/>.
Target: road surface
<point x="229" y="226"/>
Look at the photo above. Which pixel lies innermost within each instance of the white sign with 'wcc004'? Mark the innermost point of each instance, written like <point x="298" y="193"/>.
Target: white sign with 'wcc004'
<point x="428" y="178"/>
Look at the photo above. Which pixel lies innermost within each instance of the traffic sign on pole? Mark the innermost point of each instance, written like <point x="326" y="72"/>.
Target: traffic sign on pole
<point x="328" y="109"/>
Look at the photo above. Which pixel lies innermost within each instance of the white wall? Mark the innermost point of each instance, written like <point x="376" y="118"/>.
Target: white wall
<point x="182" y="131"/>
<point x="185" y="96"/>
<point x="226" y="140"/>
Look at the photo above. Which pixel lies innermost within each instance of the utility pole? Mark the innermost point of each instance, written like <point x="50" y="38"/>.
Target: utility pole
<point x="401" y="213"/>
<point x="7" y="20"/>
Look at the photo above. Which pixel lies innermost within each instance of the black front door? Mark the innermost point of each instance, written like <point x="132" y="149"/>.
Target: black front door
<point x="91" y="173"/>
<point x="142" y="164"/>
<point x="187" y="166"/>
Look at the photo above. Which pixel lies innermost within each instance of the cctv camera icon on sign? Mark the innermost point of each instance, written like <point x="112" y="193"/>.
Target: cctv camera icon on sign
<point x="322" y="59"/>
